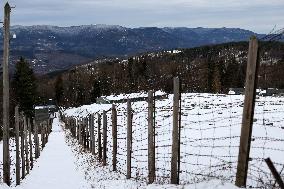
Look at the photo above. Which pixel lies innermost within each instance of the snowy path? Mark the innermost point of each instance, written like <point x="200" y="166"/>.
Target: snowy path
<point x="56" y="165"/>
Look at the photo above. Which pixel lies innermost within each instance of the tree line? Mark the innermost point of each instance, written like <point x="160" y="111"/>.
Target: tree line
<point x="211" y="69"/>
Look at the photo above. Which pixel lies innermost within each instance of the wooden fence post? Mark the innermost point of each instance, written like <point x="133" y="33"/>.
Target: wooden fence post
<point x="75" y="127"/>
<point x="88" y="134"/>
<point x="274" y="172"/>
<point x="84" y="133"/>
<point x="248" y="113"/>
<point x="114" y="137"/>
<point x="77" y="130"/>
<point x="45" y="133"/>
<point x="175" y="134"/>
<point x="23" y="147"/>
<point x="99" y="137"/>
<point x="72" y="127"/>
<point x="92" y="133"/>
<point x="104" y="138"/>
<point x="36" y="141"/>
<point x="42" y="136"/>
<point x="90" y="130"/>
<point x="151" y="139"/>
<point x="80" y="132"/>
<point x="26" y="145"/>
<point x="17" y="145"/>
<point x="30" y="143"/>
<point x="129" y="139"/>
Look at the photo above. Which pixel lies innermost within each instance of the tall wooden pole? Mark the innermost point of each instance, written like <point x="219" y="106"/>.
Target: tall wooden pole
<point x="6" y="155"/>
<point x="248" y="112"/>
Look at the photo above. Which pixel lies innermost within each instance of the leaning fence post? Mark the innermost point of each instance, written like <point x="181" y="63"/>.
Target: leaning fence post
<point x="17" y="145"/>
<point x="175" y="134"/>
<point x="151" y="141"/>
<point x="99" y="137"/>
<point x="248" y="113"/>
<point x="274" y="172"/>
<point x="129" y="139"/>
<point x="114" y="137"/>
<point x="30" y="143"/>
<point x="104" y="138"/>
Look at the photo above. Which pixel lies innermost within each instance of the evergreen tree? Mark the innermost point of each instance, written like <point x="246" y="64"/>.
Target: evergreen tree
<point x="59" y="90"/>
<point x="24" y="86"/>
<point x="96" y="91"/>
<point x="216" y="83"/>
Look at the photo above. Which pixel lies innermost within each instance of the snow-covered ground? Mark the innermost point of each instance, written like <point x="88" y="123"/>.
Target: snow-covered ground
<point x="210" y="132"/>
<point x="210" y="135"/>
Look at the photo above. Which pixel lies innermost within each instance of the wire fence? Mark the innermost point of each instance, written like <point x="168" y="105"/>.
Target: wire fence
<point x="209" y="138"/>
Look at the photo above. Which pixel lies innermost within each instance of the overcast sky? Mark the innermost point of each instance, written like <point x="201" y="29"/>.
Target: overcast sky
<point x="257" y="15"/>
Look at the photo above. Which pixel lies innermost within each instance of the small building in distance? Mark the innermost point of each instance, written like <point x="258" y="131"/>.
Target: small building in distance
<point x="260" y="92"/>
<point x="272" y="92"/>
<point x="236" y="91"/>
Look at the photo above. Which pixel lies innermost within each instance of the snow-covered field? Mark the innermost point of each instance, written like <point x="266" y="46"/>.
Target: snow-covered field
<point x="210" y="132"/>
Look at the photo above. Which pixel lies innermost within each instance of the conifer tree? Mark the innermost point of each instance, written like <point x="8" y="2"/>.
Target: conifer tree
<point x="24" y="87"/>
<point x="59" y="90"/>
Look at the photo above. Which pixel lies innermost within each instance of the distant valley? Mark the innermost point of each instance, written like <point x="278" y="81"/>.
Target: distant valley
<point x="52" y="48"/>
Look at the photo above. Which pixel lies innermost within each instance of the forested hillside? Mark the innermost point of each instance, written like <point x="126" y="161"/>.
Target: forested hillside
<point x="204" y="69"/>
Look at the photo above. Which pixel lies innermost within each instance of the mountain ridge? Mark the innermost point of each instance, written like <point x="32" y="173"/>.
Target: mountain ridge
<point x="51" y="48"/>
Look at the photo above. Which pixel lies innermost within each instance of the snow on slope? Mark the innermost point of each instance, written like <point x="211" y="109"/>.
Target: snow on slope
<point x="209" y="137"/>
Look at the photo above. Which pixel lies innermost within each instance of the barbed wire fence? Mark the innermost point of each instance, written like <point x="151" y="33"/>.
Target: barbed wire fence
<point x="210" y="133"/>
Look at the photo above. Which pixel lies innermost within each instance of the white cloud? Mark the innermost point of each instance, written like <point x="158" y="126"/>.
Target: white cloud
<point x="257" y="15"/>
